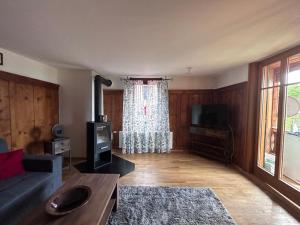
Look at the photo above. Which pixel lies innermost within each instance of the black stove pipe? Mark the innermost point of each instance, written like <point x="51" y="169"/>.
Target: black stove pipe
<point x="98" y="94"/>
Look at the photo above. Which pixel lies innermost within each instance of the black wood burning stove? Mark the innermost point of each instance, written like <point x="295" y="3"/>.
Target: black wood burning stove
<point x="98" y="144"/>
<point x="99" y="148"/>
<point x="99" y="132"/>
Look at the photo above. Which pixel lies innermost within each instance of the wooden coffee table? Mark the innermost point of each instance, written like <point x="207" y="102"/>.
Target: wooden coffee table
<point x="104" y="199"/>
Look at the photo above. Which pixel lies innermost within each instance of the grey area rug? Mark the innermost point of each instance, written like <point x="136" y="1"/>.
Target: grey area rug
<point x="169" y="206"/>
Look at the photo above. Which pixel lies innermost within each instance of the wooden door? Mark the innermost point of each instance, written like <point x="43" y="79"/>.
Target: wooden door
<point x="113" y="108"/>
<point x="117" y="116"/>
<point x="173" y="116"/>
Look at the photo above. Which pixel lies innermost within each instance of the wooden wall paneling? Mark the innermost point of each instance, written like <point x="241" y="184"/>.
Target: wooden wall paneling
<point x="32" y="103"/>
<point x="241" y="122"/>
<point x="235" y="97"/>
<point x="22" y="117"/>
<point x="201" y="97"/>
<point x="173" y="116"/>
<point x="197" y="97"/>
<point x="251" y="117"/>
<point x="25" y="80"/>
<point x="184" y="100"/>
<point x="54" y="107"/>
<point x="107" y="104"/>
<point x="113" y="108"/>
<point x="52" y="99"/>
<point x="5" y="127"/>
<point x="238" y="119"/>
<point x="177" y="117"/>
<point x="45" y="110"/>
<point x="117" y="115"/>
<point x="183" y="122"/>
<point x="180" y="104"/>
<point x="12" y="113"/>
<point x="40" y="109"/>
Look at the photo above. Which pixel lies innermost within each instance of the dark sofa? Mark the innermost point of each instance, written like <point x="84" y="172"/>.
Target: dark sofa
<point x="21" y="194"/>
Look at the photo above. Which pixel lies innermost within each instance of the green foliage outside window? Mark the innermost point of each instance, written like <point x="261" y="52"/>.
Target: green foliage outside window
<point x="293" y="91"/>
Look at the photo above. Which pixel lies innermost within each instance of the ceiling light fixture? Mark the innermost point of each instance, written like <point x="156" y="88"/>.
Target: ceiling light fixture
<point x="189" y="70"/>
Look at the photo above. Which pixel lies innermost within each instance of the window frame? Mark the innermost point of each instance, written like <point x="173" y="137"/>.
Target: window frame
<point x="275" y="181"/>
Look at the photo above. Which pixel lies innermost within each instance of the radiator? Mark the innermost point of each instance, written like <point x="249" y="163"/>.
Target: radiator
<point x="121" y="133"/>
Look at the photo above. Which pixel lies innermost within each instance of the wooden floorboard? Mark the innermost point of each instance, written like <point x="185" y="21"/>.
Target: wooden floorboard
<point x="246" y="203"/>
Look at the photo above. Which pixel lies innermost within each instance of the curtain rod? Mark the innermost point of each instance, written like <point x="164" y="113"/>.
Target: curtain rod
<point x="146" y="79"/>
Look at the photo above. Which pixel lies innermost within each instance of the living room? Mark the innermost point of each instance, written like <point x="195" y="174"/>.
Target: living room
<point x="139" y="112"/>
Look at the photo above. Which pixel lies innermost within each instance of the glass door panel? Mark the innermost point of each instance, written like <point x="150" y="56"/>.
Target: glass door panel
<point x="291" y="135"/>
<point x="269" y="100"/>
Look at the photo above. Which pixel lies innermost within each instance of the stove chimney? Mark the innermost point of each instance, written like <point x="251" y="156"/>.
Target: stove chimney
<point x="98" y="95"/>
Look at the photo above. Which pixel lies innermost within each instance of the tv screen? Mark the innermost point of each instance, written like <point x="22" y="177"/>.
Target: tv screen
<point x="210" y="115"/>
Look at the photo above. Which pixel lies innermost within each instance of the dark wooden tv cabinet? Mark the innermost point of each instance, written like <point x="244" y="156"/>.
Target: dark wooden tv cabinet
<point x="213" y="143"/>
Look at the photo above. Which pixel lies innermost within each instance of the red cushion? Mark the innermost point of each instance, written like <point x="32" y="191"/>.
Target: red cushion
<point x="11" y="164"/>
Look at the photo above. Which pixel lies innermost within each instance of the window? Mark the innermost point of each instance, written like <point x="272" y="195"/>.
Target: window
<point x="269" y="116"/>
<point x="291" y="136"/>
<point x="278" y="140"/>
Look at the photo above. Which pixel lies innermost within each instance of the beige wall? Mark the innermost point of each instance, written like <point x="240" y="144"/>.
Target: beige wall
<point x="75" y="94"/>
<point x="18" y="64"/>
<point x="75" y="97"/>
<point x="76" y="90"/>
<point x="177" y="82"/>
<point x="191" y="82"/>
<point x="232" y="76"/>
<point x="75" y="102"/>
<point x="226" y="78"/>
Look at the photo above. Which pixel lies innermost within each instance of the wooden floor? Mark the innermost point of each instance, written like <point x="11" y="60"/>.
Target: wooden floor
<point x="246" y="203"/>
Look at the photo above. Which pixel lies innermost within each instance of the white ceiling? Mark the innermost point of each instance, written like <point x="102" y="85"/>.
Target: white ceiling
<point x="149" y="37"/>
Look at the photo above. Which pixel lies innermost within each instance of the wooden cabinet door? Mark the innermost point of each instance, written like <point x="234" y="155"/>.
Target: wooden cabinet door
<point x="25" y="104"/>
<point x="22" y="114"/>
<point x="45" y="110"/>
<point x="5" y="129"/>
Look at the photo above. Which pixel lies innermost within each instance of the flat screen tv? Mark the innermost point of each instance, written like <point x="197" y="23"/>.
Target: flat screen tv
<point x="214" y="115"/>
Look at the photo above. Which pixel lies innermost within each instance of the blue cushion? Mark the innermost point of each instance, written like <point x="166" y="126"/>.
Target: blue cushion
<point x="3" y="145"/>
<point x="10" y="182"/>
<point x="19" y="195"/>
<point x="14" y="191"/>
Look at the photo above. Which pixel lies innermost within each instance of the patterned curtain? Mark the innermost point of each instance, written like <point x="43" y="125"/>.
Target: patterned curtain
<point x="145" y="117"/>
